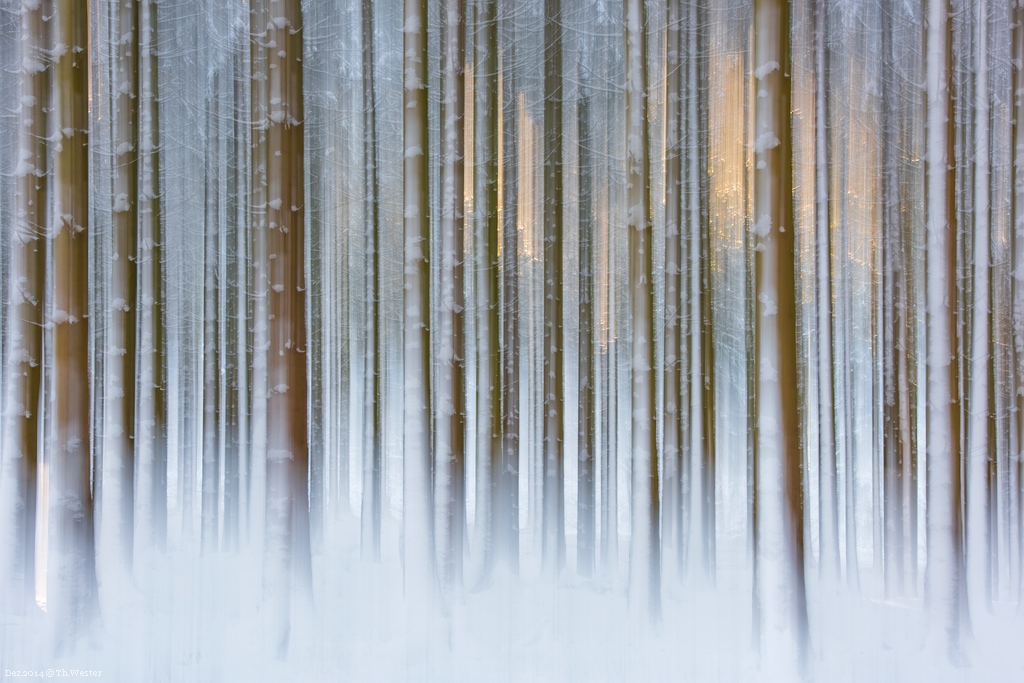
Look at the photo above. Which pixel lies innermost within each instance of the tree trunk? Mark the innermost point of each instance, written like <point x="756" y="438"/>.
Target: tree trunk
<point x="673" y="412"/>
<point x="373" y="390"/>
<point x="586" y="498"/>
<point x="1017" y="290"/>
<point x="287" y="570"/>
<point x="23" y="352"/>
<point x="645" y="541"/>
<point x="980" y="413"/>
<point x="943" y="573"/>
<point x="116" y="505"/>
<point x="450" y="421"/>
<point x="417" y="504"/>
<point x="553" y="545"/>
<point x="705" y="359"/>
<point x="71" y="569"/>
<point x="507" y="508"/>
<point x="214" y="290"/>
<point x="151" y="447"/>
<point x="780" y="601"/>
<point x="827" y="477"/>
<point x="258" y="285"/>
<point x="486" y="239"/>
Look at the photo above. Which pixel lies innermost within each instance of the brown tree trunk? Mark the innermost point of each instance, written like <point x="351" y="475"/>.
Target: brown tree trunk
<point x="23" y="353"/>
<point x="553" y="539"/>
<point x="780" y="601"/>
<point x="287" y="570"/>
<point x="645" y="537"/>
<point x="71" y="569"/>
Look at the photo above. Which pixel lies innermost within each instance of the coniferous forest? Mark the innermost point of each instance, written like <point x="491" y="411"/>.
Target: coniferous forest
<point x="509" y="340"/>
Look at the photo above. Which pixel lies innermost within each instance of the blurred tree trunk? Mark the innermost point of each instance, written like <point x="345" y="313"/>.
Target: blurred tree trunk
<point x="486" y="117"/>
<point x="779" y="595"/>
<point x="980" y="408"/>
<point x="704" y="375"/>
<point x="450" y="420"/>
<point x="258" y="285"/>
<point x="944" y="571"/>
<point x="151" y="447"/>
<point x="213" y="290"/>
<point x="116" y="504"/>
<point x="23" y="353"/>
<point x="674" y="411"/>
<point x="287" y="570"/>
<point x="645" y="541"/>
<point x="373" y="390"/>
<point x="1017" y="292"/>
<point x="585" y="500"/>
<point x="553" y="544"/>
<point x="827" y="476"/>
<point x="507" y="508"/>
<point x="417" y="503"/>
<point x="71" y="570"/>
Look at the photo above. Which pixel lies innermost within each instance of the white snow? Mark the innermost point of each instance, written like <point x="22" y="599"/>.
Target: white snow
<point x="765" y="69"/>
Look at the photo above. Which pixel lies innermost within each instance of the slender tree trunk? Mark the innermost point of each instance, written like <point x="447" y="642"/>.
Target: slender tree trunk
<point x="287" y="570"/>
<point x="1017" y="288"/>
<point x="827" y="477"/>
<point x="417" y="505"/>
<point x="892" y="329"/>
<point x="151" y="447"/>
<point x="507" y="508"/>
<point x="780" y="601"/>
<point x="373" y="390"/>
<point x="553" y="546"/>
<point x="486" y="117"/>
<point x="213" y="291"/>
<point x="243" y="278"/>
<point x="450" y="421"/>
<point x="908" y="306"/>
<point x="645" y="539"/>
<point x="980" y="416"/>
<point x="705" y="273"/>
<point x="259" y="116"/>
<point x="586" y="498"/>
<point x="233" y="354"/>
<point x="673" y="412"/>
<point x="71" y="569"/>
<point x="119" y="410"/>
<point x="23" y="350"/>
<point x="943" y="573"/>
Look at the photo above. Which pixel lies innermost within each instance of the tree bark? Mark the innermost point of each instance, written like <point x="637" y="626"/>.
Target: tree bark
<point x="779" y="594"/>
<point x="705" y="359"/>
<point x="116" y="506"/>
<point x="507" y="508"/>
<point x="1017" y="289"/>
<point x="486" y="117"/>
<point x="943" y="573"/>
<point x="417" y="503"/>
<point x="373" y="389"/>
<point x="827" y="477"/>
<point x="70" y="555"/>
<point x="673" y="419"/>
<point x="151" y="447"/>
<point x="553" y="544"/>
<point x="980" y="410"/>
<point x="645" y="541"/>
<point x="287" y="570"/>
<point x="450" y="420"/>
<point x="23" y="352"/>
<point x="587" y="444"/>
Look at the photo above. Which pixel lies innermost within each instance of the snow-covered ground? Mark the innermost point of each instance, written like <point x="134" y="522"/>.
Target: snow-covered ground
<point x="200" y="620"/>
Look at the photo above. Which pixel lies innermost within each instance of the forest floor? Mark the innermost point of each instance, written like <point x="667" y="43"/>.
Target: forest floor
<point x="200" y="620"/>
